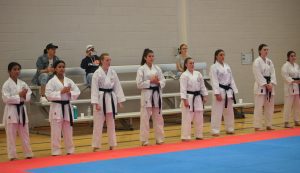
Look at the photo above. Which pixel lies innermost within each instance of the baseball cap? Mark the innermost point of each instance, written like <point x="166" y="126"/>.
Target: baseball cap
<point x="51" y="46"/>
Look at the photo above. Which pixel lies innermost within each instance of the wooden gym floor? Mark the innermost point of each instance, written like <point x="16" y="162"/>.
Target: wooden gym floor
<point x="40" y="142"/>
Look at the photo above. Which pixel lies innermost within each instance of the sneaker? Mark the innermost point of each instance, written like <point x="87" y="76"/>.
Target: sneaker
<point x="43" y="99"/>
<point x="198" y="138"/>
<point x="111" y="148"/>
<point x="287" y="125"/>
<point x="297" y="123"/>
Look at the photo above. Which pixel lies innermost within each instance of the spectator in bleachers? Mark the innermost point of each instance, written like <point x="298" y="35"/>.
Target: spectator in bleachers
<point x="44" y="65"/>
<point x="14" y="93"/>
<point x="60" y="90"/>
<point x="151" y="81"/>
<point x="106" y="92"/>
<point x="182" y="55"/>
<point x="90" y="63"/>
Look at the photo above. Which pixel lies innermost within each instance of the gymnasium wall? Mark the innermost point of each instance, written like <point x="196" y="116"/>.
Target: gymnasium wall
<point x="125" y="27"/>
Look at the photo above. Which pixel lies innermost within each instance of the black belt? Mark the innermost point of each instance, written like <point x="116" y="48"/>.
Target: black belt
<point x="155" y="89"/>
<point x="63" y="103"/>
<point x="19" y="106"/>
<point x="298" y="84"/>
<point x="269" y="93"/>
<point x="226" y="88"/>
<point x="195" y="94"/>
<point x="112" y="101"/>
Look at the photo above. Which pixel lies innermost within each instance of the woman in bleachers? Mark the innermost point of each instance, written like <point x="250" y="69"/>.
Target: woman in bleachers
<point x="291" y="75"/>
<point x="106" y="92"/>
<point x="15" y="93"/>
<point x="151" y="81"/>
<point x="60" y="90"/>
<point x="182" y="55"/>
<point x="193" y="94"/>
<point x="224" y="89"/>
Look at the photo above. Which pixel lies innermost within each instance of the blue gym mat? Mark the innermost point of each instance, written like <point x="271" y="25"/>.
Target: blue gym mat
<point x="267" y="156"/>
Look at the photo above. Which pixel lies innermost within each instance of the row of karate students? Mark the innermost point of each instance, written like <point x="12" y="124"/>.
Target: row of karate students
<point x="107" y="93"/>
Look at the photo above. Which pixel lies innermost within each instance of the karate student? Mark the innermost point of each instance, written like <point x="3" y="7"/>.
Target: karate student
<point x="14" y="93"/>
<point x="291" y="75"/>
<point x="60" y="90"/>
<point x="224" y="89"/>
<point x="193" y="95"/>
<point x="151" y="81"/>
<point x="106" y="92"/>
<point x="264" y="89"/>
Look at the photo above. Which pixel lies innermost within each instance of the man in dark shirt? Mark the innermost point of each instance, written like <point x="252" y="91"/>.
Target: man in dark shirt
<point x="90" y="63"/>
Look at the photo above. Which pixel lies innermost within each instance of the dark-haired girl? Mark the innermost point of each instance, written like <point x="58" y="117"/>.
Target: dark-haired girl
<point x="264" y="89"/>
<point x="151" y="81"/>
<point x="15" y="93"/>
<point x="224" y="89"/>
<point x="291" y="75"/>
<point x="193" y="94"/>
<point x="60" y="90"/>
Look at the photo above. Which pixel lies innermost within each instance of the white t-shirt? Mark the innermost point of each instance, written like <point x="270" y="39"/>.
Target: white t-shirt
<point x="50" y="63"/>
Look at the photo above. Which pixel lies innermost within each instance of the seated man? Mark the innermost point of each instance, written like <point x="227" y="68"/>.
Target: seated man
<point x="90" y="63"/>
<point x="45" y="69"/>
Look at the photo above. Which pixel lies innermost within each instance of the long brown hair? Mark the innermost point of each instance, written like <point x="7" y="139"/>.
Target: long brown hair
<point x="180" y="47"/>
<point x="145" y="54"/>
<point x="260" y="47"/>
<point x="185" y="62"/>
<point x="217" y="53"/>
<point x="289" y="54"/>
<point x="102" y="57"/>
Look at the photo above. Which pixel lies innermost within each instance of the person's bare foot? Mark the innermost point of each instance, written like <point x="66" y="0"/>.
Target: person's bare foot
<point x="95" y="149"/>
<point x="270" y="128"/>
<point x="230" y="132"/>
<point x="145" y="143"/>
<point x="287" y="125"/>
<point x="199" y="138"/>
<point x="258" y="129"/>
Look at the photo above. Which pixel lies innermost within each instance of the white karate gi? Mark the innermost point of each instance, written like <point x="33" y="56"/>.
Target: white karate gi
<point x="59" y="124"/>
<point x="291" y="91"/>
<point x="13" y="121"/>
<point x="143" y="77"/>
<point x="192" y="82"/>
<point x="105" y="81"/>
<point x="263" y="68"/>
<point x="220" y="74"/>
